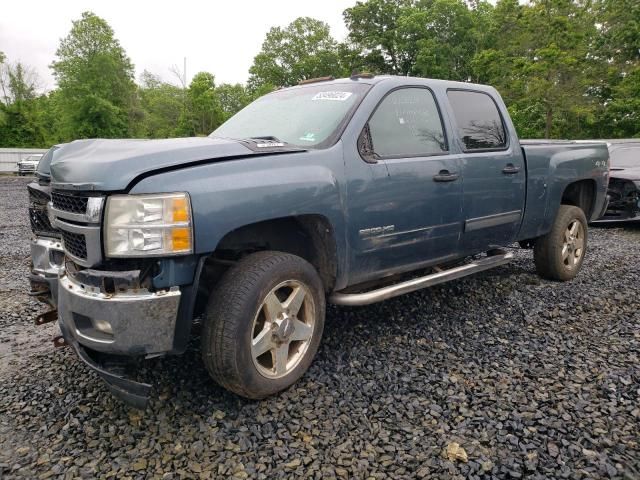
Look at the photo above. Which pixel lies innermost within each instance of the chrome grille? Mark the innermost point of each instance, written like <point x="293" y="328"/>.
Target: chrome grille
<point x="37" y="196"/>
<point x="40" y="223"/>
<point x="78" y="217"/>
<point x="69" y="203"/>
<point x="38" y="217"/>
<point x="75" y="244"/>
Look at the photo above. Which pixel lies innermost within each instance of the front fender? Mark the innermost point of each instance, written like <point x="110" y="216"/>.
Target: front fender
<point x="230" y="194"/>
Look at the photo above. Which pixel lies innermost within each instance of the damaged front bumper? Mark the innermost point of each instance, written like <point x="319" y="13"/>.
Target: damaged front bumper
<point x="134" y="323"/>
<point x="108" y="330"/>
<point x="47" y="259"/>
<point x="111" y="371"/>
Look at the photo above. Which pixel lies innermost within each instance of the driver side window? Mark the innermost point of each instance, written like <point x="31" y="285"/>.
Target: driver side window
<point x="406" y="123"/>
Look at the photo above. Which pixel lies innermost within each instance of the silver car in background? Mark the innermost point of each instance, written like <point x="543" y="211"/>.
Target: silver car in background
<point x="28" y="166"/>
<point x="624" y="182"/>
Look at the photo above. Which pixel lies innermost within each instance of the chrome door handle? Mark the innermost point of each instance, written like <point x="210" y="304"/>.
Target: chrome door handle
<point x="445" y="176"/>
<point x="510" y="169"/>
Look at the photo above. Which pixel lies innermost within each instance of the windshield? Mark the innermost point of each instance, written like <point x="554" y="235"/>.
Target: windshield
<point x="625" y="157"/>
<point x="309" y="116"/>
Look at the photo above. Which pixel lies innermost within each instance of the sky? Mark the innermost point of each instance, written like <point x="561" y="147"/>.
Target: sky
<point x="220" y="37"/>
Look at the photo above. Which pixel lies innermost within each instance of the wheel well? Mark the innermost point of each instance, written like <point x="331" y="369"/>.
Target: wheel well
<point x="308" y="236"/>
<point x="580" y="194"/>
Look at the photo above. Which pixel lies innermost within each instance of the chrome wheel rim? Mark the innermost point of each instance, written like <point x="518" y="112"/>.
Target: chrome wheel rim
<point x="573" y="245"/>
<point x="282" y="329"/>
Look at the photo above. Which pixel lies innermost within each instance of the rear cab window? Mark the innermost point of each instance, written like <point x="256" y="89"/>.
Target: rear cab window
<point x="479" y="122"/>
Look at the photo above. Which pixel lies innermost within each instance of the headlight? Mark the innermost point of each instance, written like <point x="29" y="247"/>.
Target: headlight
<point x="148" y="225"/>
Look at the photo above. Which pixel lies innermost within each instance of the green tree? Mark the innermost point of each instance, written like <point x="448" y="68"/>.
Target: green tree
<point x="559" y="35"/>
<point x="304" y="49"/>
<point x="232" y="99"/>
<point x="21" y="107"/>
<point x="617" y="50"/>
<point x="430" y="38"/>
<point x="22" y="83"/>
<point x="619" y="30"/>
<point x="621" y="116"/>
<point x="540" y="63"/>
<point x="161" y="106"/>
<point x="3" y="116"/>
<point x="375" y="30"/>
<point x="95" y="79"/>
<point x="441" y="35"/>
<point x="204" y="109"/>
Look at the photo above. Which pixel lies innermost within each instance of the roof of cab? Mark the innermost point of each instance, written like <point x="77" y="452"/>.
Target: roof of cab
<point x="397" y="79"/>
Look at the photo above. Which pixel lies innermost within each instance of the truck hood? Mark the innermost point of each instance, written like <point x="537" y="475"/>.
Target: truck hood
<point x="108" y="165"/>
<point x="625" y="173"/>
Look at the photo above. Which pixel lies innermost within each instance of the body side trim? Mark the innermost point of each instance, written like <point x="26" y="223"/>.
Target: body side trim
<point x="479" y="223"/>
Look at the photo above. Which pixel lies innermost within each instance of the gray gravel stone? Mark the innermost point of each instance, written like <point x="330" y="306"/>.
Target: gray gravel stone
<point x="533" y="379"/>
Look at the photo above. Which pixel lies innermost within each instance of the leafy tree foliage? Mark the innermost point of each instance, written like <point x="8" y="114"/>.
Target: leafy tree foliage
<point x="232" y="99"/>
<point x="375" y="29"/>
<point x="539" y="62"/>
<point x="617" y="50"/>
<point x="160" y="107"/>
<point x="95" y="80"/>
<point x="205" y="110"/>
<point x="565" y="68"/>
<point x="20" y="109"/>
<point x="442" y="32"/>
<point x="304" y="49"/>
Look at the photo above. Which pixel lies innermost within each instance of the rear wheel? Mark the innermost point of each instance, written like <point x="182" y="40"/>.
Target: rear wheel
<point x="559" y="254"/>
<point x="263" y="324"/>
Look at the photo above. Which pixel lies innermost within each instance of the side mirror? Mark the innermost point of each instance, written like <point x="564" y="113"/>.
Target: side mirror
<point x="365" y="146"/>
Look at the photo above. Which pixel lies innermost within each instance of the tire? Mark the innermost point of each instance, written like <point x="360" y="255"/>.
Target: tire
<point x="269" y="302"/>
<point x="559" y="254"/>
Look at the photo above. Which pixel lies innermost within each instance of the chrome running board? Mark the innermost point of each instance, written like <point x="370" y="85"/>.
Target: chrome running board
<point x="384" y="293"/>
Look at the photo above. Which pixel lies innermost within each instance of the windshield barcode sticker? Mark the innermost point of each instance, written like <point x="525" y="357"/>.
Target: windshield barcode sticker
<point x="335" y="96"/>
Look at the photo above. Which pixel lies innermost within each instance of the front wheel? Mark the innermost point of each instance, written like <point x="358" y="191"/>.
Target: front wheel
<point x="263" y="324"/>
<point x="559" y="254"/>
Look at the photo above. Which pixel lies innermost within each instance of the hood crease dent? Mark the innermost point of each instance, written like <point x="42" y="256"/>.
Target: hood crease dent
<point x="111" y="165"/>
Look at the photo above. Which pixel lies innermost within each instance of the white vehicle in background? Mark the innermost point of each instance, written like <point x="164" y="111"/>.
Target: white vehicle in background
<point x="27" y="166"/>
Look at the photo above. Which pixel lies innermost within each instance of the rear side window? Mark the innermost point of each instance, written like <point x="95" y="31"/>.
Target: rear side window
<point x="480" y="125"/>
<point x="407" y="123"/>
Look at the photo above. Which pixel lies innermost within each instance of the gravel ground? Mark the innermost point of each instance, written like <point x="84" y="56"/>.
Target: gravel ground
<point x="500" y="375"/>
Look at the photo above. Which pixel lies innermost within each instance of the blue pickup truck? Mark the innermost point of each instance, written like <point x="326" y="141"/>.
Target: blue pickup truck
<point x="352" y="191"/>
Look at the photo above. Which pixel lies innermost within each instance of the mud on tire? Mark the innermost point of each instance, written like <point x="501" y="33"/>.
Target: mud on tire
<point x="559" y="254"/>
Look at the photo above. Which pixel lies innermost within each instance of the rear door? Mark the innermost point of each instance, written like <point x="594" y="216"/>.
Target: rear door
<point x="493" y="169"/>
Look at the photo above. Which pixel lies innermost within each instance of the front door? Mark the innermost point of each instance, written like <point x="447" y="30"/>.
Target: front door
<point x="407" y="212"/>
